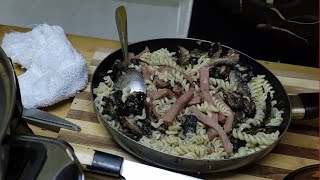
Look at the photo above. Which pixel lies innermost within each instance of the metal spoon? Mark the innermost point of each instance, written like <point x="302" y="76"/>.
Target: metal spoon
<point x="132" y="78"/>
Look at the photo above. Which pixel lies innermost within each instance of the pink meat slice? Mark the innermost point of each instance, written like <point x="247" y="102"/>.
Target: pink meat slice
<point x="175" y="109"/>
<point x="142" y="52"/>
<point x="211" y="133"/>
<point x="222" y="118"/>
<point x="230" y="118"/>
<point x="228" y="125"/>
<point x="195" y="100"/>
<point x="209" y="121"/>
<point x="146" y="73"/>
<point x="161" y="93"/>
<point x="204" y="79"/>
<point x="131" y="55"/>
<point x="151" y="94"/>
<point x="161" y="84"/>
<point x="204" y="87"/>
<point x="207" y="97"/>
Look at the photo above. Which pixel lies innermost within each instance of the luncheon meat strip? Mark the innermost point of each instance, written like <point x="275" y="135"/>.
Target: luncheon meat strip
<point x="222" y="118"/>
<point x="133" y="58"/>
<point x="153" y="94"/>
<point x="146" y="73"/>
<point x="162" y="93"/>
<point x="229" y="122"/>
<point x="230" y="118"/>
<point x="207" y="97"/>
<point x="211" y="122"/>
<point x="204" y="85"/>
<point x="204" y="79"/>
<point x="142" y="52"/>
<point x="161" y="84"/>
<point x="211" y="133"/>
<point x="204" y="88"/>
<point x="195" y="100"/>
<point x="175" y="109"/>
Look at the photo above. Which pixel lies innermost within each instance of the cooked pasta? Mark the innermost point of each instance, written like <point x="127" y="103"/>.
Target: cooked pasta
<point x="188" y="107"/>
<point x="260" y="138"/>
<point x="276" y="118"/>
<point x="220" y="83"/>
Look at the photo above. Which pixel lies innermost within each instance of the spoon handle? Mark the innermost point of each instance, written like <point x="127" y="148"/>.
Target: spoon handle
<point x="121" y="20"/>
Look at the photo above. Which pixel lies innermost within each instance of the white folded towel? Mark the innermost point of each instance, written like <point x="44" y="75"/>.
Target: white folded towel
<point x="55" y="70"/>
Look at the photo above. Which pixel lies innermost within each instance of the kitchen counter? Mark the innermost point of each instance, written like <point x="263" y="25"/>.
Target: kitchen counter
<point x="296" y="79"/>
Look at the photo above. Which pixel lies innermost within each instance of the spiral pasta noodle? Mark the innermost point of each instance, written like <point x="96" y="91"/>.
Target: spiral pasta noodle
<point x="258" y="118"/>
<point x="198" y="151"/>
<point x="220" y="83"/>
<point x="277" y="119"/>
<point x="218" y="150"/>
<point x="173" y="77"/>
<point x="259" y="89"/>
<point x="163" y="105"/>
<point x="206" y="107"/>
<point x="223" y="108"/>
<point x="259" y="138"/>
<point x="174" y="129"/>
<point x="125" y="94"/>
<point x="161" y="57"/>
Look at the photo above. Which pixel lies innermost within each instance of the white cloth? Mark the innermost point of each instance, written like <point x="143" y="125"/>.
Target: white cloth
<point x="55" y="70"/>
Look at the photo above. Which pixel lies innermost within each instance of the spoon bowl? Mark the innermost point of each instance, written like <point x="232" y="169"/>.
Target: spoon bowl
<point x="131" y="77"/>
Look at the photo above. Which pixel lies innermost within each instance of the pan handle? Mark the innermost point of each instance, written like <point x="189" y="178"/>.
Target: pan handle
<point x="305" y="105"/>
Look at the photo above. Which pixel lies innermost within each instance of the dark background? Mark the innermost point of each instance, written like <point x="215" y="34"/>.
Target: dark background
<point x="235" y="25"/>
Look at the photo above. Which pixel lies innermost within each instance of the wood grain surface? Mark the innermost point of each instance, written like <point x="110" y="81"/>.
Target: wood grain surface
<point x="298" y="148"/>
<point x="300" y="141"/>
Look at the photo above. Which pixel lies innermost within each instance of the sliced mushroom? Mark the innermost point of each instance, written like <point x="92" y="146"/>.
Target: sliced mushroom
<point x="184" y="56"/>
<point x="117" y="69"/>
<point x="131" y="124"/>
<point x="236" y="78"/>
<point x="249" y="108"/>
<point x="234" y="102"/>
<point x="108" y="107"/>
<point x="190" y="124"/>
<point x="215" y="50"/>
<point x="268" y="109"/>
<point x="237" y="143"/>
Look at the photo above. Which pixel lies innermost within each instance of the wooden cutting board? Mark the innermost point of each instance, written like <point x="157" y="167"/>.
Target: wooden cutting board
<point x="298" y="147"/>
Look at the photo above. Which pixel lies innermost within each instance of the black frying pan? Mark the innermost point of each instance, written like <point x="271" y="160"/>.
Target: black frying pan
<point x="309" y="111"/>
